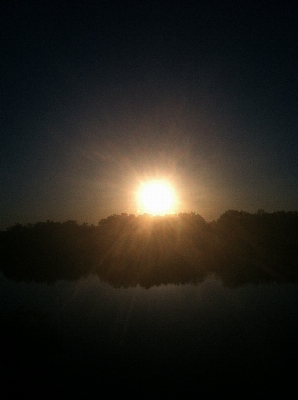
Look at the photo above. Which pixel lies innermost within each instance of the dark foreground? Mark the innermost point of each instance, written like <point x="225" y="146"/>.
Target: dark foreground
<point x="129" y="307"/>
<point x="88" y="340"/>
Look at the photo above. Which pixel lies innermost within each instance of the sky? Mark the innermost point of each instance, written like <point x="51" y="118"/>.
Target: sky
<point x="98" y="97"/>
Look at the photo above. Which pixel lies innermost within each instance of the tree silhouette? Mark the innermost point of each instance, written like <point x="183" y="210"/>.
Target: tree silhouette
<point x="126" y="250"/>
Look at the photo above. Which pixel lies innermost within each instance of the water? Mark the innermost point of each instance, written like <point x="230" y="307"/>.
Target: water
<point x="85" y="337"/>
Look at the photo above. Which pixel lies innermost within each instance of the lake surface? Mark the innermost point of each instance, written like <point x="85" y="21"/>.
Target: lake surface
<point x="84" y="338"/>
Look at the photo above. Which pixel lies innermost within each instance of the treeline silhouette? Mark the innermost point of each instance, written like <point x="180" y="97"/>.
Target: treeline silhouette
<point x="126" y="250"/>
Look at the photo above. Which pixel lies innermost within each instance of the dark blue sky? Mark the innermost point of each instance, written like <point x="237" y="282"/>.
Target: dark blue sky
<point x="98" y="96"/>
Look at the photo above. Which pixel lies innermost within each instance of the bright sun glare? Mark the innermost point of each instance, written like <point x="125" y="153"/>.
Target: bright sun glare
<point x="156" y="198"/>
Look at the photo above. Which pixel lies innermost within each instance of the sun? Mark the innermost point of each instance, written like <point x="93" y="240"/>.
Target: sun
<point x="156" y="197"/>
